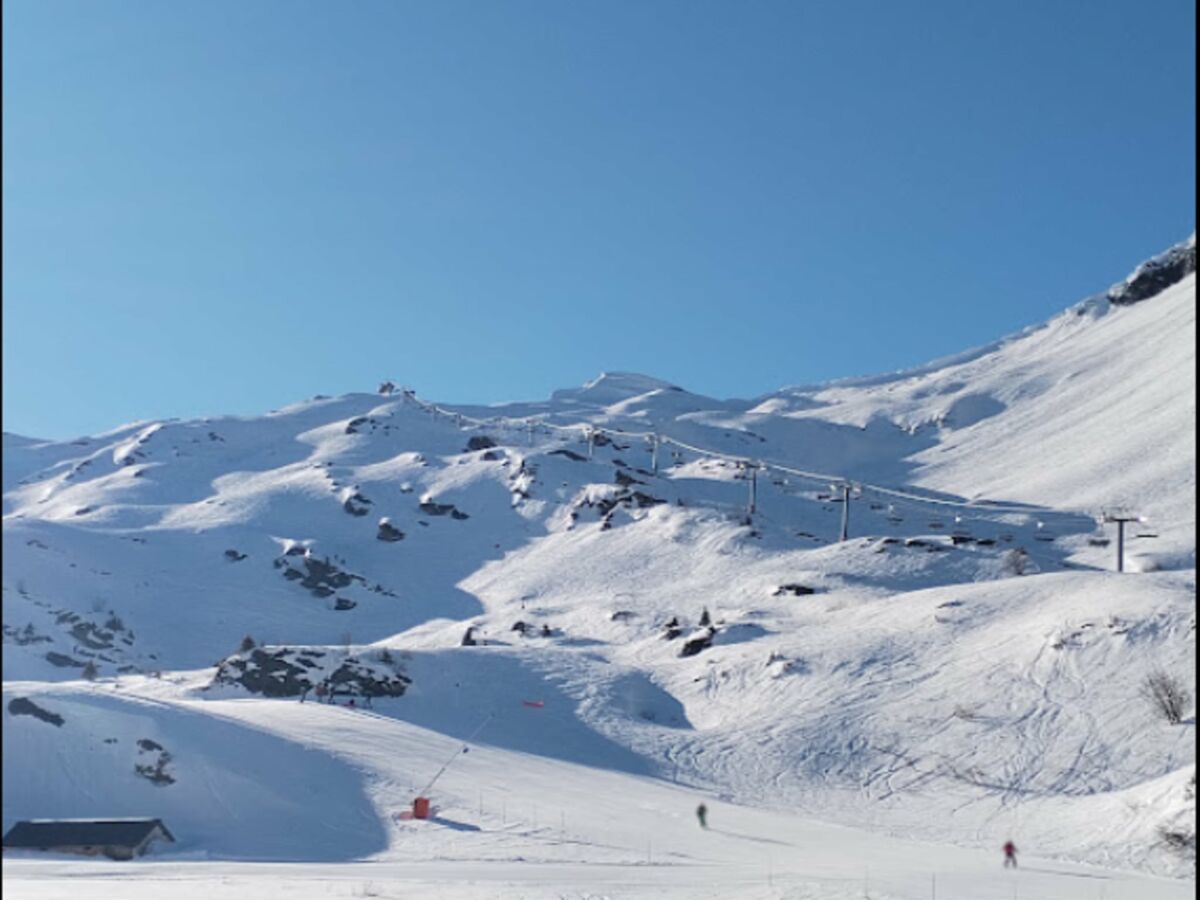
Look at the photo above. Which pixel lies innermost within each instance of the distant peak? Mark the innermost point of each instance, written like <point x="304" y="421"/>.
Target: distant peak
<point x="612" y="387"/>
<point x="629" y="382"/>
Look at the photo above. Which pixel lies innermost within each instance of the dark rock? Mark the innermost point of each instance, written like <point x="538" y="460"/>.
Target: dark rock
<point x="622" y="615"/>
<point x="644" y="500"/>
<point x="352" y="425"/>
<point x="234" y="556"/>
<point x="626" y="480"/>
<point x="694" y="645"/>
<point x="569" y="454"/>
<point x="357" y="677"/>
<point x="91" y="636"/>
<point x="321" y="577"/>
<point x="260" y="672"/>
<point x="388" y="532"/>
<point x="155" y="772"/>
<point x="480" y="442"/>
<point x="796" y="590"/>
<point x="24" y="636"/>
<point x="343" y="603"/>
<point x="492" y="455"/>
<point x="63" y="661"/>
<point x="468" y="638"/>
<point x="440" y="509"/>
<point x="1155" y="275"/>
<point x="23" y="706"/>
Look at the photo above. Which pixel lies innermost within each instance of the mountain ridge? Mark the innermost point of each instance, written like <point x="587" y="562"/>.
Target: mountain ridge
<point x="952" y="670"/>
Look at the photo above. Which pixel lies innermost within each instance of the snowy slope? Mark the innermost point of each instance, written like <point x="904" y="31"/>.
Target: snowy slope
<point x="964" y="669"/>
<point x="1095" y="409"/>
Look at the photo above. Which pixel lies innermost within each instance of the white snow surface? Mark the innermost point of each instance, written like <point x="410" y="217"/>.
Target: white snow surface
<point x="870" y="717"/>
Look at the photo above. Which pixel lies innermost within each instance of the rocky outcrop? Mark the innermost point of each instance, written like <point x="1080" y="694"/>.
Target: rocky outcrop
<point x="389" y="532"/>
<point x="321" y="577"/>
<point x="440" y="509"/>
<point x="1156" y="275"/>
<point x="292" y="671"/>
<point x="153" y="765"/>
<point x="702" y="641"/>
<point x="480" y="442"/>
<point x="23" y="706"/>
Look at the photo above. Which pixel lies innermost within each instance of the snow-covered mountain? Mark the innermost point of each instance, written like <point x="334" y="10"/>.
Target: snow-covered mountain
<point x="638" y="580"/>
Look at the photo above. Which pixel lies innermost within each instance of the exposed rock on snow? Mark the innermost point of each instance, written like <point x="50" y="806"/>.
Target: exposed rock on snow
<point x="388" y="532"/>
<point x="1156" y="275"/>
<point x="290" y="671"/>
<point x="23" y="706"/>
<point x="479" y="442"/>
<point x="321" y="577"/>
<point x="152" y="765"/>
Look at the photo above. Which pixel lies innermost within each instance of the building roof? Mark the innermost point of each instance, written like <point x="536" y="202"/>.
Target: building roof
<point x="83" y="832"/>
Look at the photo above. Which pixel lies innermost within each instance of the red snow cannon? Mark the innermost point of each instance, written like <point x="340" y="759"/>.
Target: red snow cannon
<point x="421" y="808"/>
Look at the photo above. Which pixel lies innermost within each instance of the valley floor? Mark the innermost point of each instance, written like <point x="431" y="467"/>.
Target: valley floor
<point x="514" y="825"/>
<point x="723" y="863"/>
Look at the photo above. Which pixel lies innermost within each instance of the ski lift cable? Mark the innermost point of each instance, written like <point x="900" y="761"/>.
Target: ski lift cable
<point x="978" y="509"/>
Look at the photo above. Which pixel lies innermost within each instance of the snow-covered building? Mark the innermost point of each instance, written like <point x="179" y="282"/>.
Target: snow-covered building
<point x="114" y="838"/>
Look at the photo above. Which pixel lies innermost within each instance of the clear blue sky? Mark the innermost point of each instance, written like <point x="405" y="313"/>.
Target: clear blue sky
<point x="223" y="207"/>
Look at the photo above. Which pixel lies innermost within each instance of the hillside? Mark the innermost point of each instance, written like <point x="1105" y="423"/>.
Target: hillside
<point x="965" y="668"/>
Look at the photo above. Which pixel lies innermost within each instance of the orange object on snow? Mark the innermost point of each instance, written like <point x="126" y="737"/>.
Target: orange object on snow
<point x="421" y="808"/>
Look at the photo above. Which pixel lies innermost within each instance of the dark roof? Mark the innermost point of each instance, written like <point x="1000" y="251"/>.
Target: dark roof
<point x="83" y="832"/>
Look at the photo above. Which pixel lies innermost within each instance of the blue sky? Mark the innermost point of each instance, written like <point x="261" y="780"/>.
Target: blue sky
<point x="225" y="207"/>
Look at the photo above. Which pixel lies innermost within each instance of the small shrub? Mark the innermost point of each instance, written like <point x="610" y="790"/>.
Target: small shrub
<point x="248" y="644"/>
<point x="1166" y="694"/>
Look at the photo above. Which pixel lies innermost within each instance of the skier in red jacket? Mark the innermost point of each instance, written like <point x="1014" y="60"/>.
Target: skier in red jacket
<point x="1010" y="854"/>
